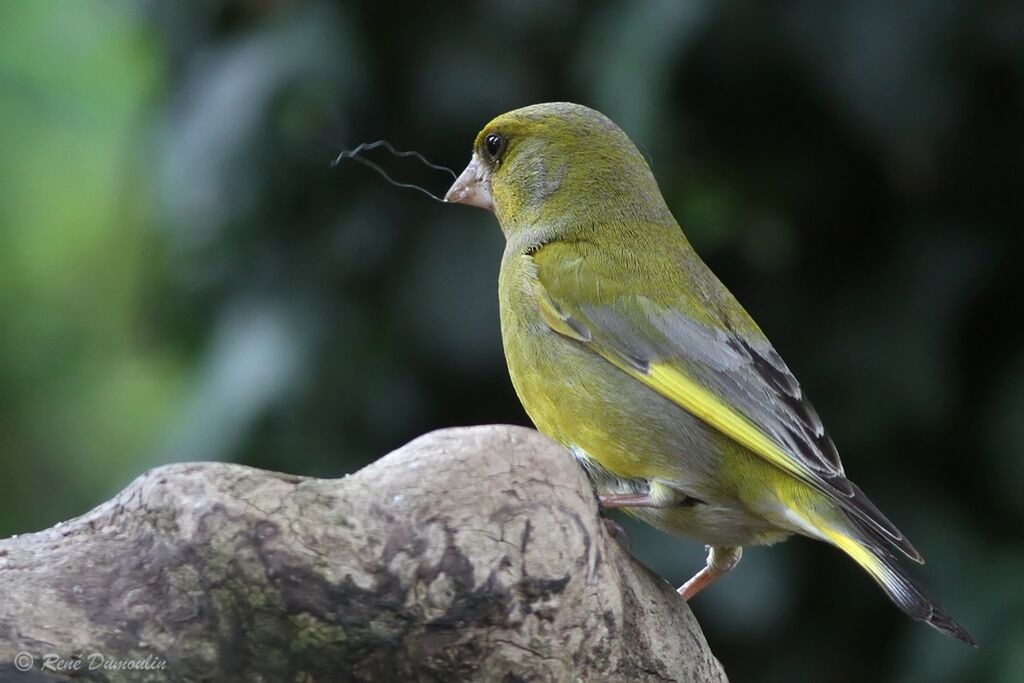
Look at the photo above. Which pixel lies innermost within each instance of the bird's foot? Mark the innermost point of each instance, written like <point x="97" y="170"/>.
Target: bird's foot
<point x="618" y="532"/>
<point x="658" y="495"/>
<point x="626" y="500"/>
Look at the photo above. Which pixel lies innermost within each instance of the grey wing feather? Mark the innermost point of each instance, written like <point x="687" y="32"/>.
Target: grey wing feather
<point x="750" y="376"/>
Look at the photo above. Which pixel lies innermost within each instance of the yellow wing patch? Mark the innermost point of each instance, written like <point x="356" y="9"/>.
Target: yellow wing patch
<point x="674" y="385"/>
<point x="701" y="403"/>
<point x="677" y="387"/>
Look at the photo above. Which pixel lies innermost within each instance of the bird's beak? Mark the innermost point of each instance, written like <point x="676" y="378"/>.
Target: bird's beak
<point x="473" y="187"/>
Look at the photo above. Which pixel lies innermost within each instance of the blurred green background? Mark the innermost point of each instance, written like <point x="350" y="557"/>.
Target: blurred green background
<point x="184" y="277"/>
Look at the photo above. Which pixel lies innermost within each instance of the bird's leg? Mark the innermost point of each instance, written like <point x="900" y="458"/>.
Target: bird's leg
<point x="721" y="560"/>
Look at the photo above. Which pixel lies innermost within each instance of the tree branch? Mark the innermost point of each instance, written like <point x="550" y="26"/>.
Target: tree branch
<point x="468" y="554"/>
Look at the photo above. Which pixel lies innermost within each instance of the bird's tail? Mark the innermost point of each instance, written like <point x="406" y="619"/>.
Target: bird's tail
<point x="897" y="583"/>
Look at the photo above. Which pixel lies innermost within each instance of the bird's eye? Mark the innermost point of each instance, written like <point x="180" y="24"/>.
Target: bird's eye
<point x="494" y="144"/>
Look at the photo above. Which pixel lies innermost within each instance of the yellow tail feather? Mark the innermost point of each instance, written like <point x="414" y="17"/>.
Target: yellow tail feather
<point x="901" y="588"/>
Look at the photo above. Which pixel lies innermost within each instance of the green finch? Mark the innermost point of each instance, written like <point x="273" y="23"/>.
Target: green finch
<point x="625" y="347"/>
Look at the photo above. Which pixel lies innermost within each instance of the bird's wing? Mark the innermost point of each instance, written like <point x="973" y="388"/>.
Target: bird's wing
<point x="728" y="377"/>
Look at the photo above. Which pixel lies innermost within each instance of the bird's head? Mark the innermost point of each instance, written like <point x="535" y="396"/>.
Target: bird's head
<point x="557" y="164"/>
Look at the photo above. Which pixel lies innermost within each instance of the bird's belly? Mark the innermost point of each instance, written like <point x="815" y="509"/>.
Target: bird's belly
<point x="717" y="526"/>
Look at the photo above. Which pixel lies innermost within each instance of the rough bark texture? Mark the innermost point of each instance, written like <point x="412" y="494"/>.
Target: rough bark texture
<point x="468" y="554"/>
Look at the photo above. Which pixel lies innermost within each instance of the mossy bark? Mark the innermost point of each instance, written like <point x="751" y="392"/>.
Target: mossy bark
<point x="468" y="554"/>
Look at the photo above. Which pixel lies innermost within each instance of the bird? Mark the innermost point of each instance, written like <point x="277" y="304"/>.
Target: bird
<point x="623" y="346"/>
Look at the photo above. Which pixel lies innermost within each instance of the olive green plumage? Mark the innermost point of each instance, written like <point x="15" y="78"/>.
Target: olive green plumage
<point x="624" y="346"/>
